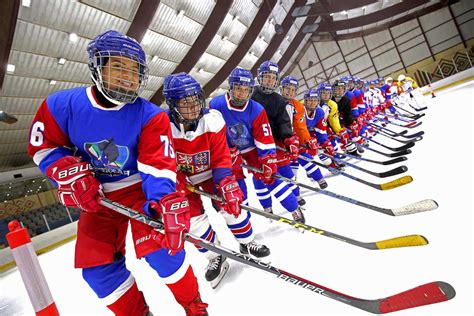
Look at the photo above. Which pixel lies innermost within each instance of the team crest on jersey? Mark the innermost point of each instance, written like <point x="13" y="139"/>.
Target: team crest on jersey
<point x="107" y="157"/>
<point x="238" y="135"/>
<point x="193" y="163"/>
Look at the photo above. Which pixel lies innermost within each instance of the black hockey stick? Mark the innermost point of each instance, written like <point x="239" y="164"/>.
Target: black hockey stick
<point x="421" y="206"/>
<point x="404" y="147"/>
<point x="385" y="174"/>
<point x="380" y="132"/>
<point x="399" y="117"/>
<point x="429" y="293"/>
<point x="387" y="162"/>
<point x="393" y="133"/>
<point x="391" y="155"/>
<point x="397" y="242"/>
<point x="413" y="124"/>
<point x="384" y="186"/>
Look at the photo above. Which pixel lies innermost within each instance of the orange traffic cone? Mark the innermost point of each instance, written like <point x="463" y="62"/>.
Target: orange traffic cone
<point x="432" y="92"/>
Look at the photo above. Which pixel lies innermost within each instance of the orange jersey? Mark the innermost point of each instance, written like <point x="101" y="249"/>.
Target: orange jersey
<point x="299" y="122"/>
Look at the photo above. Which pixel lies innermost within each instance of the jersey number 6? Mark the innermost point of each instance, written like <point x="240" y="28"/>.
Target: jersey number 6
<point x="36" y="137"/>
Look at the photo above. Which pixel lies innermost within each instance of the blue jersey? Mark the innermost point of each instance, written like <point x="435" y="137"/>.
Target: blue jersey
<point x="317" y="124"/>
<point x="247" y="127"/>
<point x="126" y="144"/>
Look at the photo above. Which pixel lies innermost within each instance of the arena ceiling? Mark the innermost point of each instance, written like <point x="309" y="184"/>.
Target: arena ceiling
<point x="45" y="40"/>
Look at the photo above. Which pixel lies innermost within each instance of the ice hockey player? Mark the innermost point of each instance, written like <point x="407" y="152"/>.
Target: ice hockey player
<point x="279" y="113"/>
<point x="203" y="160"/>
<point x="316" y="122"/>
<point x="250" y="135"/>
<point x="78" y="140"/>
<point x="409" y="86"/>
<point x="346" y="119"/>
<point x="289" y="86"/>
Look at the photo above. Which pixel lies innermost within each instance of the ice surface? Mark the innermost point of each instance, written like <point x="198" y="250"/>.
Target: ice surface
<point x="441" y="165"/>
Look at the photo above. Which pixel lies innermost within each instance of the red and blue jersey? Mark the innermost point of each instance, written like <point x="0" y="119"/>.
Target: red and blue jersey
<point x="202" y="153"/>
<point x="126" y="144"/>
<point x="353" y="102"/>
<point x="317" y="125"/>
<point x="247" y="127"/>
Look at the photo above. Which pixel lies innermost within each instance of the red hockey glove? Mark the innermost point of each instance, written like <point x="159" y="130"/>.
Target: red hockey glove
<point x="343" y="137"/>
<point x="269" y="167"/>
<point x="354" y="128"/>
<point x="293" y="145"/>
<point x="328" y="148"/>
<point x="176" y="216"/>
<point x="236" y="160"/>
<point x="77" y="186"/>
<point x="312" y="146"/>
<point x="360" y="121"/>
<point x="232" y="195"/>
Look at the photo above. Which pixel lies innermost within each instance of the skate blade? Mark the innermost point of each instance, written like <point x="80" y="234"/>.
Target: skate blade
<point x="217" y="281"/>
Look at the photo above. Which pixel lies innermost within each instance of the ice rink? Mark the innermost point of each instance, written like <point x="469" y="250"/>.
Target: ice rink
<point x="441" y="166"/>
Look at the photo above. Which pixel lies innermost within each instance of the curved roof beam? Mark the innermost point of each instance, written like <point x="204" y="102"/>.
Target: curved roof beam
<point x="142" y="19"/>
<point x="393" y="23"/>
<point x="337" y="6"/>
<point x="244" y="45"/>
<point x="370" y="18"/>
<point x="208" y="32"/>
<point x="277" y="38"/>
<point x="8" y="16"/>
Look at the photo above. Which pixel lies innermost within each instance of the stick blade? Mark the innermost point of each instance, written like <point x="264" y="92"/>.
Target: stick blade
<point x="426" y="294"/>
<point x="403" y="241"/>
<point x="418" y="207"/>
<point x="396" y="183"/>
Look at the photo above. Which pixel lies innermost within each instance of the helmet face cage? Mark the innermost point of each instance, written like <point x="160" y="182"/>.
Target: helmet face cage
<point x="311" y="100"/>
<point x="339" y="89"/>
<point x="289" y="87"/>
<point x="349" y="83"/>
<point x="325" y="92"/>
<point x="120" y="76"/>
<point x="188" y="110"/>
<point x="241" y="85"/>
<point x="268" y="77"/>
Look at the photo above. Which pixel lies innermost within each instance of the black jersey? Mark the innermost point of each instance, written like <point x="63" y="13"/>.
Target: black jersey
<point x="277" y="109"/>
<point x="345" y="113"/>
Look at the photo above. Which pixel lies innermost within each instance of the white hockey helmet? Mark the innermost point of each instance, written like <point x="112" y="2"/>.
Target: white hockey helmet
<point x="388" y="79"/>
<point x="401" y="77"/>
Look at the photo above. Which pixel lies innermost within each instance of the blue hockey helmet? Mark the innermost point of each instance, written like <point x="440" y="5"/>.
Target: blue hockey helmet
<point x="122" y="88"/>
<point x="289" y="86"/>
<point x="185" y="97"/>
<point x="325" y="91"/>
<point x="310" y="95"/>
<point x="268" y="83"/>
<point x="238" y="78"/>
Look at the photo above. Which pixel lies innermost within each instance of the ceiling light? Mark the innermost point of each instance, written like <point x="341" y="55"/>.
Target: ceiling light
<point x="236" y="17"/>
<point x="363" y="8"/>
<point x="26" y="3"/>
<point x="52" y="82"/>
<point x="344" y="12"/>
<point x="262" y="37"/>
<point x="62" y="61"/>
<point x="9" y="119"/>
<point x="73" y="37"/>
<point x="270" y="20"/>
<point x="200" y="70"/>
<point x="225" y="38"/>
<point x="180" y="13"/>
<point x="154" y="58"/>
<point x="10" y="68"/>
<point x="331" y="14"/>
<point x="279" y="51"/>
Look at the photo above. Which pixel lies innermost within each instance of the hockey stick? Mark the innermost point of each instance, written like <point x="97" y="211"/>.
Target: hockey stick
<point x="397" y="242"/>
<point x="384" y="186"/>
<point x="421" y="206"/>
<point x="384" y="134"/>
<point x="391" y="155"/>
<point x="387" y="162"/>
<point x="409" y="125"/>
<point x="404" y="147"/>
<point x="429" y="293"/>
<point x="399" y="117"/>
<point x="411" y="113"/>
<point x="402" y="133"/>
<point x="389" y="173"/>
